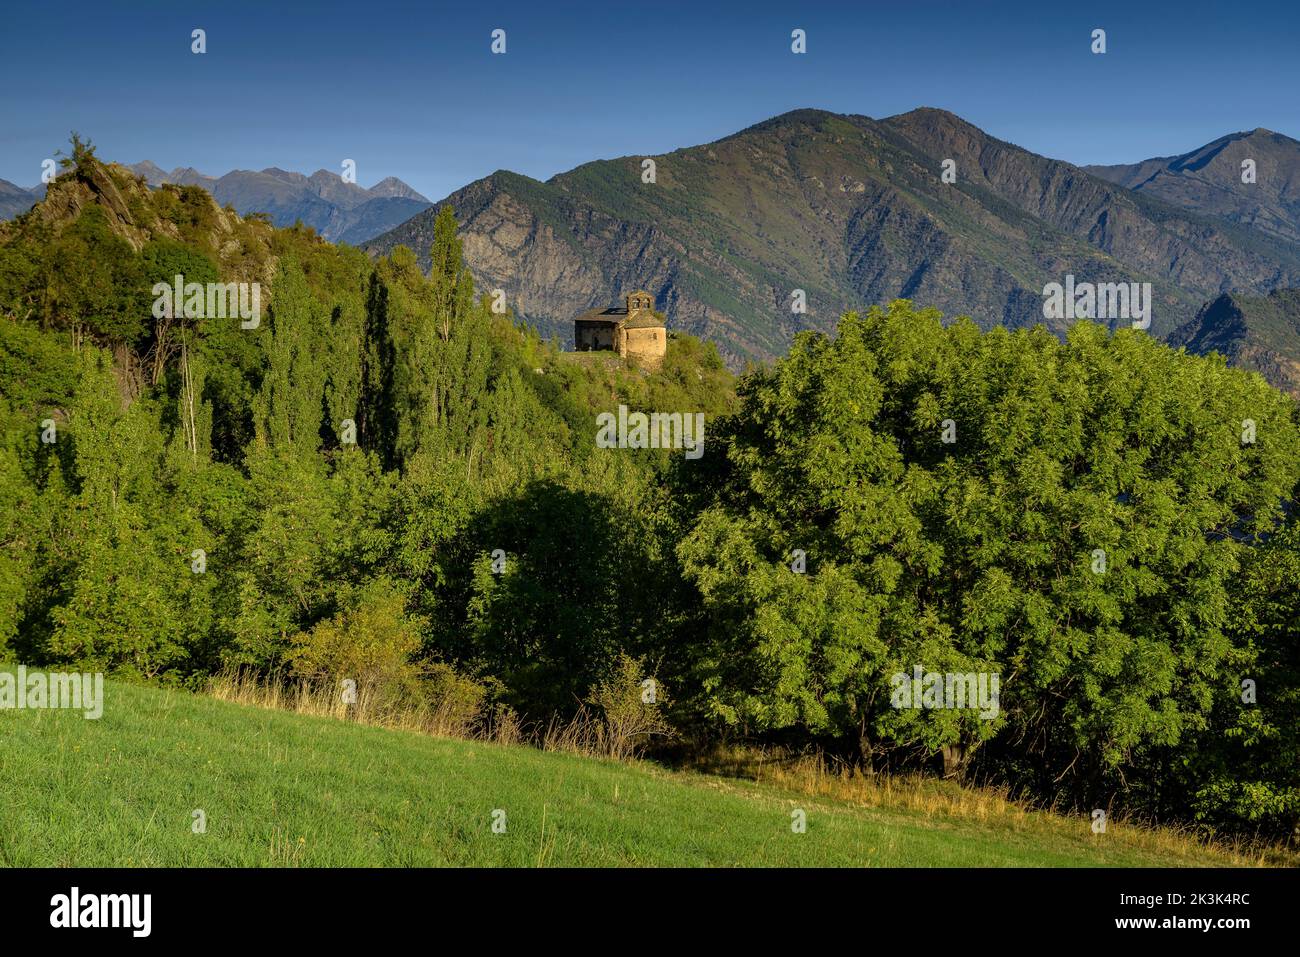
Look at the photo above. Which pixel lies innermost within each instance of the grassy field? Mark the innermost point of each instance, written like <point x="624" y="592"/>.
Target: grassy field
<point x="283" y="789"/>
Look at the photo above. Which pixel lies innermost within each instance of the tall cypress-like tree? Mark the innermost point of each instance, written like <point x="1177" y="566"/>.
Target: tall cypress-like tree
<point x="427" y="354"/>
<point x="287" y="410"/>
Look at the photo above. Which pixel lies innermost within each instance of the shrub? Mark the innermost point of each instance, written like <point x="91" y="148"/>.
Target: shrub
<point x="629" y="704"/>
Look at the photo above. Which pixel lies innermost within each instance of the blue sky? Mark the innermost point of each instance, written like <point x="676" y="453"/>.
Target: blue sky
<point x="412" y="90"/>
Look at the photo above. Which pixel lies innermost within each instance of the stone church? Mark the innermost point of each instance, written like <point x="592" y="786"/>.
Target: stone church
<point x="634" y="331"/>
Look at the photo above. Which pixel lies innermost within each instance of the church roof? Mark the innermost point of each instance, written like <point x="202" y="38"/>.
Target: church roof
<point x="644" y="319"/>
<point x="640" y="318"/>
<point x="613" y="314"/>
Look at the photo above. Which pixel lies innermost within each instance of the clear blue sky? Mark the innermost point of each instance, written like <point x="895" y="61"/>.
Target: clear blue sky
<point x="411" y="89"/>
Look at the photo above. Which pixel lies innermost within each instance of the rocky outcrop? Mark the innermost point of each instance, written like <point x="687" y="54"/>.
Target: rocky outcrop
<point x="137" y="214"/>
<point x="107" y="185"/>
<point x="1261" y="333"/>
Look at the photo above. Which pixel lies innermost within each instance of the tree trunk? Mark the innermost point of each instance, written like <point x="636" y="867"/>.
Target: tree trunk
<point x="865" y="751"/>
<point x="954" y="759"/>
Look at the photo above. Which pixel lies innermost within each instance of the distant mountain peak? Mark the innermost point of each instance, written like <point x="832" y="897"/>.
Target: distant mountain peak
<point x="799" y="115"/>
<point x="934" y="112"/>
<point x="16" y="200"/>
<point x="935" y="117"/>
<point x="152" y="173"/>
<point x="1211" y="180"/>
<point x="286" y="176"/>
<point x="392" y="186"/>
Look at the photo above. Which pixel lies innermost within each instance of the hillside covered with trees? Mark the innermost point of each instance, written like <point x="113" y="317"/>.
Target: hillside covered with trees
<point x="381" y="479"/>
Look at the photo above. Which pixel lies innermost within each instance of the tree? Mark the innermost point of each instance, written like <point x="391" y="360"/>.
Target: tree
<point x="1067" y="516"/>
<point x="95" y="283"/>
<point x="288" y="409"/>
<point x="1244" y="771"/>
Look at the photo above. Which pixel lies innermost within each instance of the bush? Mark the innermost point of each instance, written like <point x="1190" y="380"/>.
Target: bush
<point x="456" y="703"/>
<point x="630" y="707"/>
<point x="372" y="643"/>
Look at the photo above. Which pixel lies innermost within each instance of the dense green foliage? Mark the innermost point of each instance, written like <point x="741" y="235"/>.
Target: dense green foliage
<point x="383" y="480"/>
<point x="194" y="495"/>
<point x="1082" y="535"/>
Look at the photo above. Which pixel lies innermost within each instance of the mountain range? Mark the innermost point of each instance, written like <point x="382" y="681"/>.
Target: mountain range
<point x="340" y="211"/>
<point x="15" y="200"/>
<point x="850" y="211"/>
<point x="855" y="211"/>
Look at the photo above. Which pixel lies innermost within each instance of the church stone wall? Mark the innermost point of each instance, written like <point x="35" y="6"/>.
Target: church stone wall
<point x="647" y="346"/>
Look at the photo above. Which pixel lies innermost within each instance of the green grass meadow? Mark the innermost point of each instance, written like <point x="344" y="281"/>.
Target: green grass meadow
<point x="281" y="789"/>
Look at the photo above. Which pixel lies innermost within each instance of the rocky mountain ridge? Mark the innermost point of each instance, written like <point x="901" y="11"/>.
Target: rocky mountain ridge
<point x="851" y="211"/>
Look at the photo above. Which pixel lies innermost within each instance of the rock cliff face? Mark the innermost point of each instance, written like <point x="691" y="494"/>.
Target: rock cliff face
<point x="850" y="210"/>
